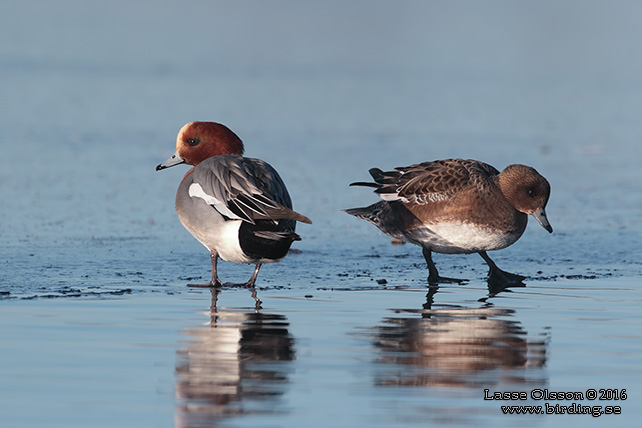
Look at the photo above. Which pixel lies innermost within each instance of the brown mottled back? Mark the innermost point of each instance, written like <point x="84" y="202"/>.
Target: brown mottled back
<point x="434" y="181"/>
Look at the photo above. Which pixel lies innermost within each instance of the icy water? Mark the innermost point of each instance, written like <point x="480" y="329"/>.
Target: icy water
<point x="97" y="327"/>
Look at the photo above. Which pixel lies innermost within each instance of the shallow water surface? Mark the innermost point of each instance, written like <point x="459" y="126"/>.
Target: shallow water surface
<point x="381" y="357"/>
<point x="97" y="326"/>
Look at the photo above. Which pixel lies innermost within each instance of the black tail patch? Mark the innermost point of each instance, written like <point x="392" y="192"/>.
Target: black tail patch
<point x="267" y="239"/>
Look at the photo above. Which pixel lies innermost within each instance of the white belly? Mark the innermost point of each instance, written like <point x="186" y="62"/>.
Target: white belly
<point x="454" y="238"/>
<point x="228" y="247"/>
<point x="222" y="239"/>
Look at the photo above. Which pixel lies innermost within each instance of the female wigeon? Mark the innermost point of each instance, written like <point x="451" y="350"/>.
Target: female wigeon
<point x="237" y="207"/>
<point x="457" y="206"/>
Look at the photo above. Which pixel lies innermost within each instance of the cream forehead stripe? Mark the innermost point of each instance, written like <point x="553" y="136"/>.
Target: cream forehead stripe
<point x="179" y="138"/>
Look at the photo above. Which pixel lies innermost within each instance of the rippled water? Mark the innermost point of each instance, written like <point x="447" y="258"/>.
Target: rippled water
<point x="97" y="326"/>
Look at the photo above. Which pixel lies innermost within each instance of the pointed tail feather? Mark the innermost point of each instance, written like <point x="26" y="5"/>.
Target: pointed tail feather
<point x="365" y="213"/>
<point x="364" y="184"/>
<point x="381" y="216"/>
<point x="277" y="236"/>
<point x="376" y="174"/>
<point x="281" y="212"/>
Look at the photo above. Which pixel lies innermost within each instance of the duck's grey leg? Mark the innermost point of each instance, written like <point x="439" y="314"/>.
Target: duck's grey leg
<point x="433" y="274"/>
<point x="214" y="282"/>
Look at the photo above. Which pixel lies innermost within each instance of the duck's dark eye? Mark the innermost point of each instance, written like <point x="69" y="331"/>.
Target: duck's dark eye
<point x="193" y="141"/>
<point x="531" y="192"/>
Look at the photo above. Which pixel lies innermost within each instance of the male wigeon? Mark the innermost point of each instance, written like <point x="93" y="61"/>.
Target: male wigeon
<point x="237" y="207"/>
<point x="457" y="206"/>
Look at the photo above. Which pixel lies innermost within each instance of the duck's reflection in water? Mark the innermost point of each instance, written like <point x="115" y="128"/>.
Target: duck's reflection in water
<point x="237" y="363"/>
<point x="453" y="346"/>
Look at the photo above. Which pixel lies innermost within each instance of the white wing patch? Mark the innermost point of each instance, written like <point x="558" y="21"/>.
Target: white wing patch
<point x="421" y="199"/>
<point x="196" y="191"/>
<point x="392" y="197"/>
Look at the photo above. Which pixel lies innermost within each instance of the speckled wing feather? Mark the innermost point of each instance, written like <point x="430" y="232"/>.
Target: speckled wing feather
<point x="244" y="188"/>
<point x="432" y="181"/>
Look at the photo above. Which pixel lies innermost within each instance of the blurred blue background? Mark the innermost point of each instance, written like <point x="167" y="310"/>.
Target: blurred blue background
<point x="92" y="94"/>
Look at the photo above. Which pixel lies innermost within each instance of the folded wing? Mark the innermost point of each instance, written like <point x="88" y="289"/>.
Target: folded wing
<point x="429" y="182"/>
<point x="244" y="189"/>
